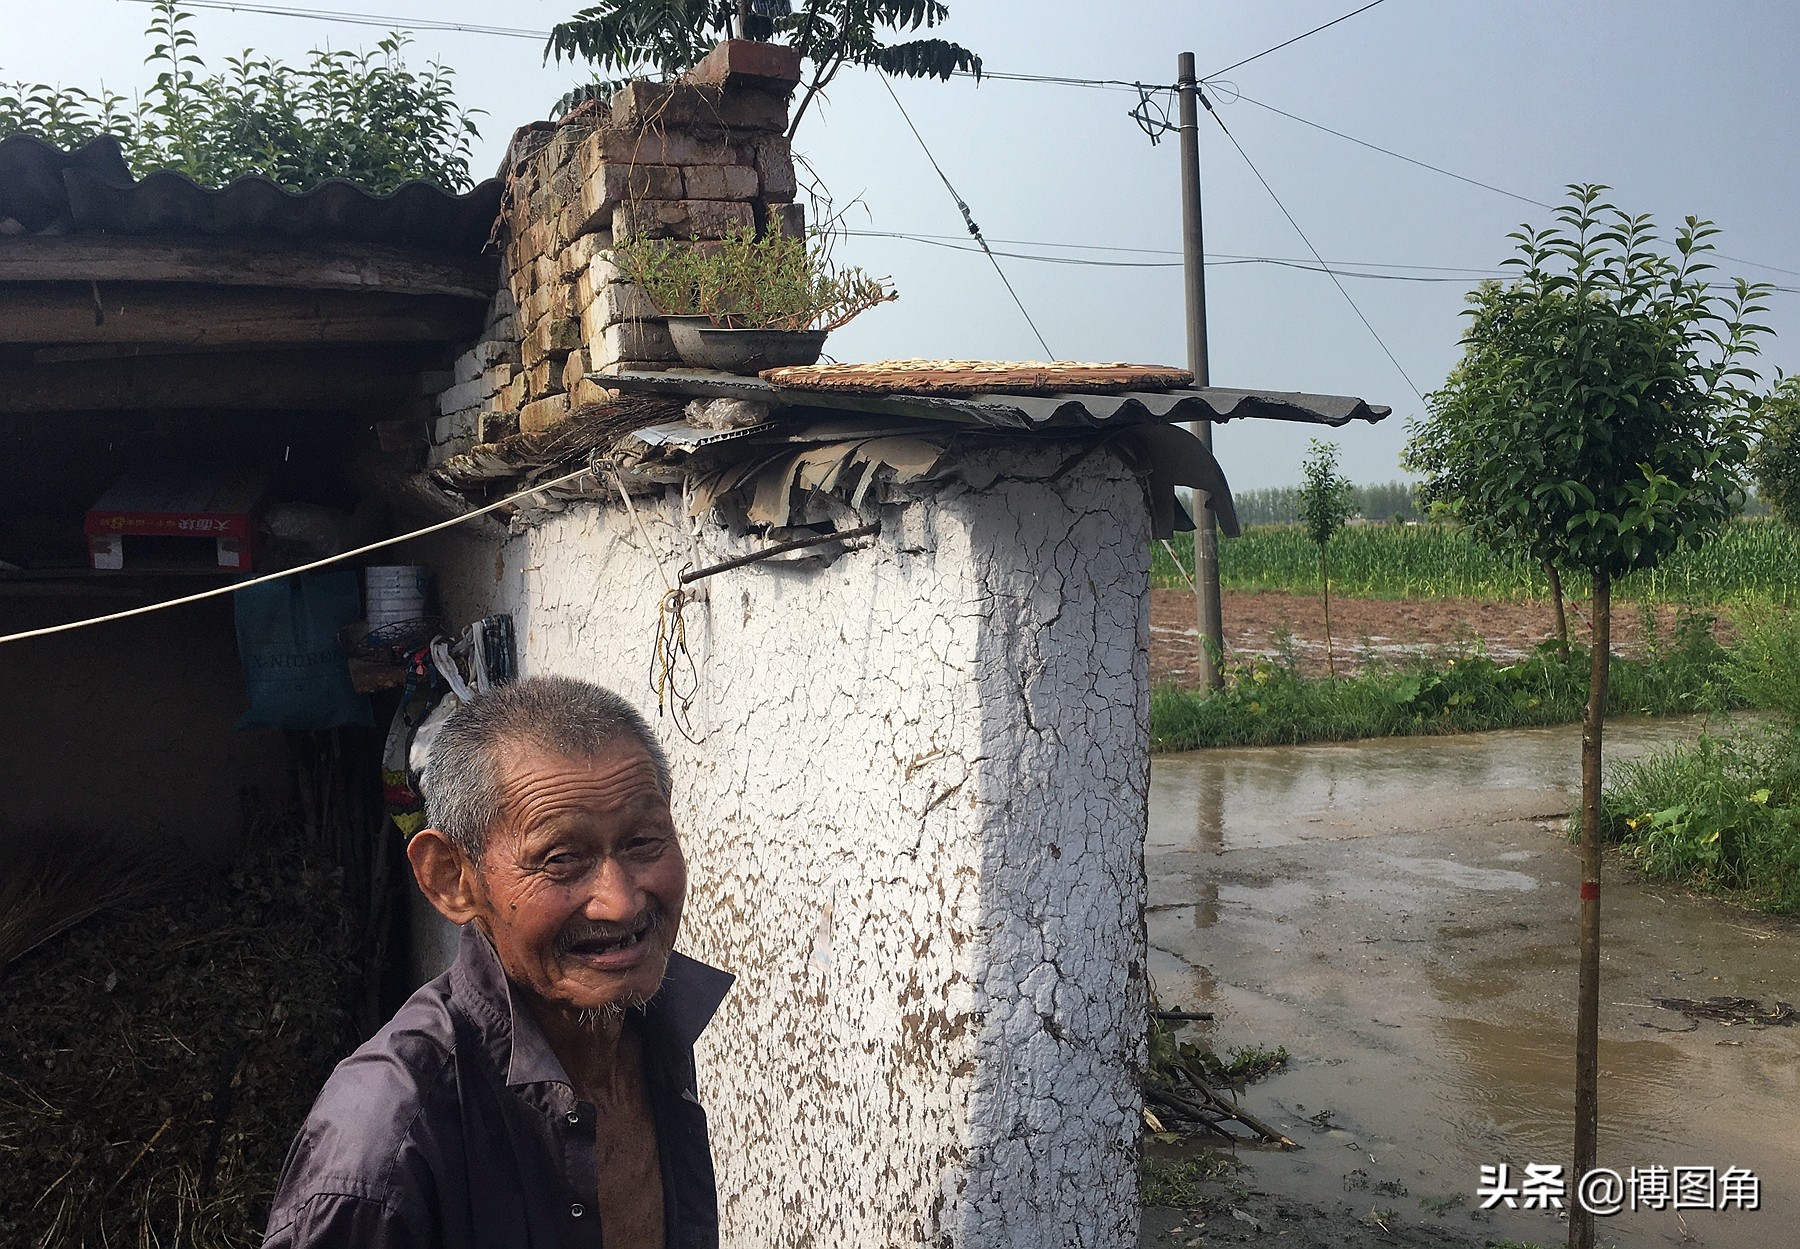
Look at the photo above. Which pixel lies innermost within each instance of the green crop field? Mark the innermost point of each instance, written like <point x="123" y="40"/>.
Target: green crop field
<point x="1753" y="559"/>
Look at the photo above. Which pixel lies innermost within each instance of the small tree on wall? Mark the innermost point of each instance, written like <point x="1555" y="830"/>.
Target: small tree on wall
<point x="624" y="37"/>
<point x="1327" y="500"/>
<point x="1601" y="418"/>
<point x="364" y="117"/>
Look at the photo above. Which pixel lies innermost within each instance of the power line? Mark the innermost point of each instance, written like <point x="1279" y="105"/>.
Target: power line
<point x="1167" y="251"/>
<point x="968" y="217"/>
<point x="1367" y="324"/>
<point x="1086" y="247"/>
<point x="1455" y="274"/>
<point x="1476" y="182"/>
<point x="1376" y="147"/>
<point x="953" y="242"/>
<point x="1060" y="80"/>
<point x="355" y="18"/>
<point x="1291" y="42"/>
<point x="350" y="18"/>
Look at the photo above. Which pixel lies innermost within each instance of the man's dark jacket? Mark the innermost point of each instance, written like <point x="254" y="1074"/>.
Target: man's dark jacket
<point x="455" y="1126"/>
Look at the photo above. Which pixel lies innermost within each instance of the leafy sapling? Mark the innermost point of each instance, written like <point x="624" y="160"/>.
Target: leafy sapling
<point x="1327" y="500"/>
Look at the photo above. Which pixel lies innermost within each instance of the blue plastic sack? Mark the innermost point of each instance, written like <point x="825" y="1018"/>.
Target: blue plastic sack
<point x="294" y="671"/>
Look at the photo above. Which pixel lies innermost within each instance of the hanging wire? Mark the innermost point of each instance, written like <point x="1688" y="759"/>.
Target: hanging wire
<point x="352" y="18"/>
<point x="1288" y="43"/>
<point x="234" y="587"/>
<point x="672" y="665"/>
<point x="968" y="217"/>
<point x="1476" y="182"/>
<point x="1367" y="324"/>
<point x="669" y="653"/>
<point x="1376" y="147"/>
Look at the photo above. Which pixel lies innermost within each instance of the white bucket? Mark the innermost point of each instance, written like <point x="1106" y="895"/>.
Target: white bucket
<point x="394" y="593"/>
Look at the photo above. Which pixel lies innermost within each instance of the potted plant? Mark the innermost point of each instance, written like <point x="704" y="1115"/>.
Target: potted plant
<point x="748" y="302"/>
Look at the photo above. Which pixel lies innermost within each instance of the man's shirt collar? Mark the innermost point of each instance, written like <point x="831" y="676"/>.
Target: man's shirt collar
<point x="684" y="1004"/>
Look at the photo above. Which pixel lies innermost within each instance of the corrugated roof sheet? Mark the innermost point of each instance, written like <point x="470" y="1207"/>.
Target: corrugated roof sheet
<point x="773" y="470"/>
<point x="1002" y="411"/>
<point x="45" y="189"/>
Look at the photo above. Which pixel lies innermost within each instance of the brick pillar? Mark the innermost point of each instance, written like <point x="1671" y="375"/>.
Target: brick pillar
<point x="689" y="160"/>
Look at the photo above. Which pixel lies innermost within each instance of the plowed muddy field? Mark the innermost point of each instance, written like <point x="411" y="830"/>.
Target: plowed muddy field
<point x="1268" y="624"/>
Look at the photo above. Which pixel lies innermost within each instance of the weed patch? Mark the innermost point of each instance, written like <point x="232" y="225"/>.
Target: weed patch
<point x="1174" y="1181"/>
<point x="1722" y="815"/>
<point x="1267" y="702"/>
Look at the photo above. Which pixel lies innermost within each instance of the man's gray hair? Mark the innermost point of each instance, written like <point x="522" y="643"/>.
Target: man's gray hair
<point x="464" y="780"/>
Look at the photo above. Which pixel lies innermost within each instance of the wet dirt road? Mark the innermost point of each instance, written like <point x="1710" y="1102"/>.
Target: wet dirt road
<point x="1400" y="915"/>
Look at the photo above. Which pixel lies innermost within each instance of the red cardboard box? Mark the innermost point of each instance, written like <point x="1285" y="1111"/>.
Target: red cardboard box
<point x="177" y="501"/>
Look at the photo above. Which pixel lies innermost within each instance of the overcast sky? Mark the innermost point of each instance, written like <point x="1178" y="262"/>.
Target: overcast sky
<point x="1683" y="108"/>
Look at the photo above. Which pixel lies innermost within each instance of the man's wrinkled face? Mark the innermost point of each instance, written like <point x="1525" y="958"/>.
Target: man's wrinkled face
<point x="583" y="881"/>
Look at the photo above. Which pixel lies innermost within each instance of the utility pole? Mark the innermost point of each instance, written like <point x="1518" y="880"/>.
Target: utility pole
<point x="1206" y="532"/>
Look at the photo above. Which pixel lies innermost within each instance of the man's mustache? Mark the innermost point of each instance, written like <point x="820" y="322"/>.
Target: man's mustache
<point x="650" y="922"/>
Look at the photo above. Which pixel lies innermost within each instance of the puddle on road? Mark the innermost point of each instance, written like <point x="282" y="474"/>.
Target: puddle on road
<point x="1401" y="915"/>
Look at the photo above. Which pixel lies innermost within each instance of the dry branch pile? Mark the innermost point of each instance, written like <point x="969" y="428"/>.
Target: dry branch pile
<point x="1182" y="1089"/>
<point x="157" y="1058"/>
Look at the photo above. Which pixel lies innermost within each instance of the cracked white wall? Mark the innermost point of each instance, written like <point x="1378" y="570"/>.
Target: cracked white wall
<point x="914" y="824"/>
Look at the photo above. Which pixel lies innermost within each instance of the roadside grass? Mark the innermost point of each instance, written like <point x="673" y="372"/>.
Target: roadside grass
<point x="1267" y="702"/>
<point x="1723" y="814"/>
<point x="1752" y="559"/>
<point x="1166" y="1180"/>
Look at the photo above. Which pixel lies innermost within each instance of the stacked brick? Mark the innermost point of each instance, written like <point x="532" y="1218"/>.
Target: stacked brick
<point x="687" y="160"/>
<point x="472" y="396"/>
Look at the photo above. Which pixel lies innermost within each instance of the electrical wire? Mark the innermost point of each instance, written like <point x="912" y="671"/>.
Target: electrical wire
<point x="1288" y="43"/>
<point x="354" y="18"/>
<point x="1376" y="147"/>
<point x="1059" y="80"/>
<point x="349" y="18"/>
<point x="1211" y="257"/>
<point x="1476" y="182"/>
<point x="1215" y="260"/>
<point x="968" y="217"/>
<point x="1089" y="247"/>
<point x="1367" y="324"/>
<point x="1342" y="268"/>
<point x="219" y="591"/>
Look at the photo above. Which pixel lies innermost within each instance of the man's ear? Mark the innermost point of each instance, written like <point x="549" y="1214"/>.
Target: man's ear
<point x="445" y="875"/>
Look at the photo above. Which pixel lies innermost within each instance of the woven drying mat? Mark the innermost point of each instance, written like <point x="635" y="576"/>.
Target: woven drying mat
<point x="973" y="377"/>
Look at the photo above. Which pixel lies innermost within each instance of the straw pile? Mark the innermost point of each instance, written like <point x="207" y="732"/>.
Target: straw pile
<point x="157" y="1058"/>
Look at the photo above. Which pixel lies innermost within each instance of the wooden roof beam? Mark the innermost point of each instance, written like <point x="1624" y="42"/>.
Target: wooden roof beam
<point x="334" y="380"/>
<point x="152" y="312"/>
<point x="322" y="265"/>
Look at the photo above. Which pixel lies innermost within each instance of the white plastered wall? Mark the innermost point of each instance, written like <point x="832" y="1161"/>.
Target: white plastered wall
<point x="914" y="823"/>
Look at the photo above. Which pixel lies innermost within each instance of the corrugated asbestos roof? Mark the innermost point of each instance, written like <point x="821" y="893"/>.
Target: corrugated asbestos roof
<point x="45" y="189"/>
<point x="1001" y="411"/>
<point x="773" y="472"/>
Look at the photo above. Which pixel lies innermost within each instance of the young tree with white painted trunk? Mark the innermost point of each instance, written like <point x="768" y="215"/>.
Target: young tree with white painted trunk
<point x="1327" y="500"/>
<point x="1600" y="418"/>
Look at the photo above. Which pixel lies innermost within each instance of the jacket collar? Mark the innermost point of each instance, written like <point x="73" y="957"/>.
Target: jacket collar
<point x="684" y="1004"/>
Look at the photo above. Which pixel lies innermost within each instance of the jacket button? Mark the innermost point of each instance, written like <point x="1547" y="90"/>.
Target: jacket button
<point x="577" y="1210"/>
<point x="574" y="1118"/>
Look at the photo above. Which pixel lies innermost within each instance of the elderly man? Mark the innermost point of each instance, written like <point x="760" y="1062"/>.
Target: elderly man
<point x="541" y="1092"/>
